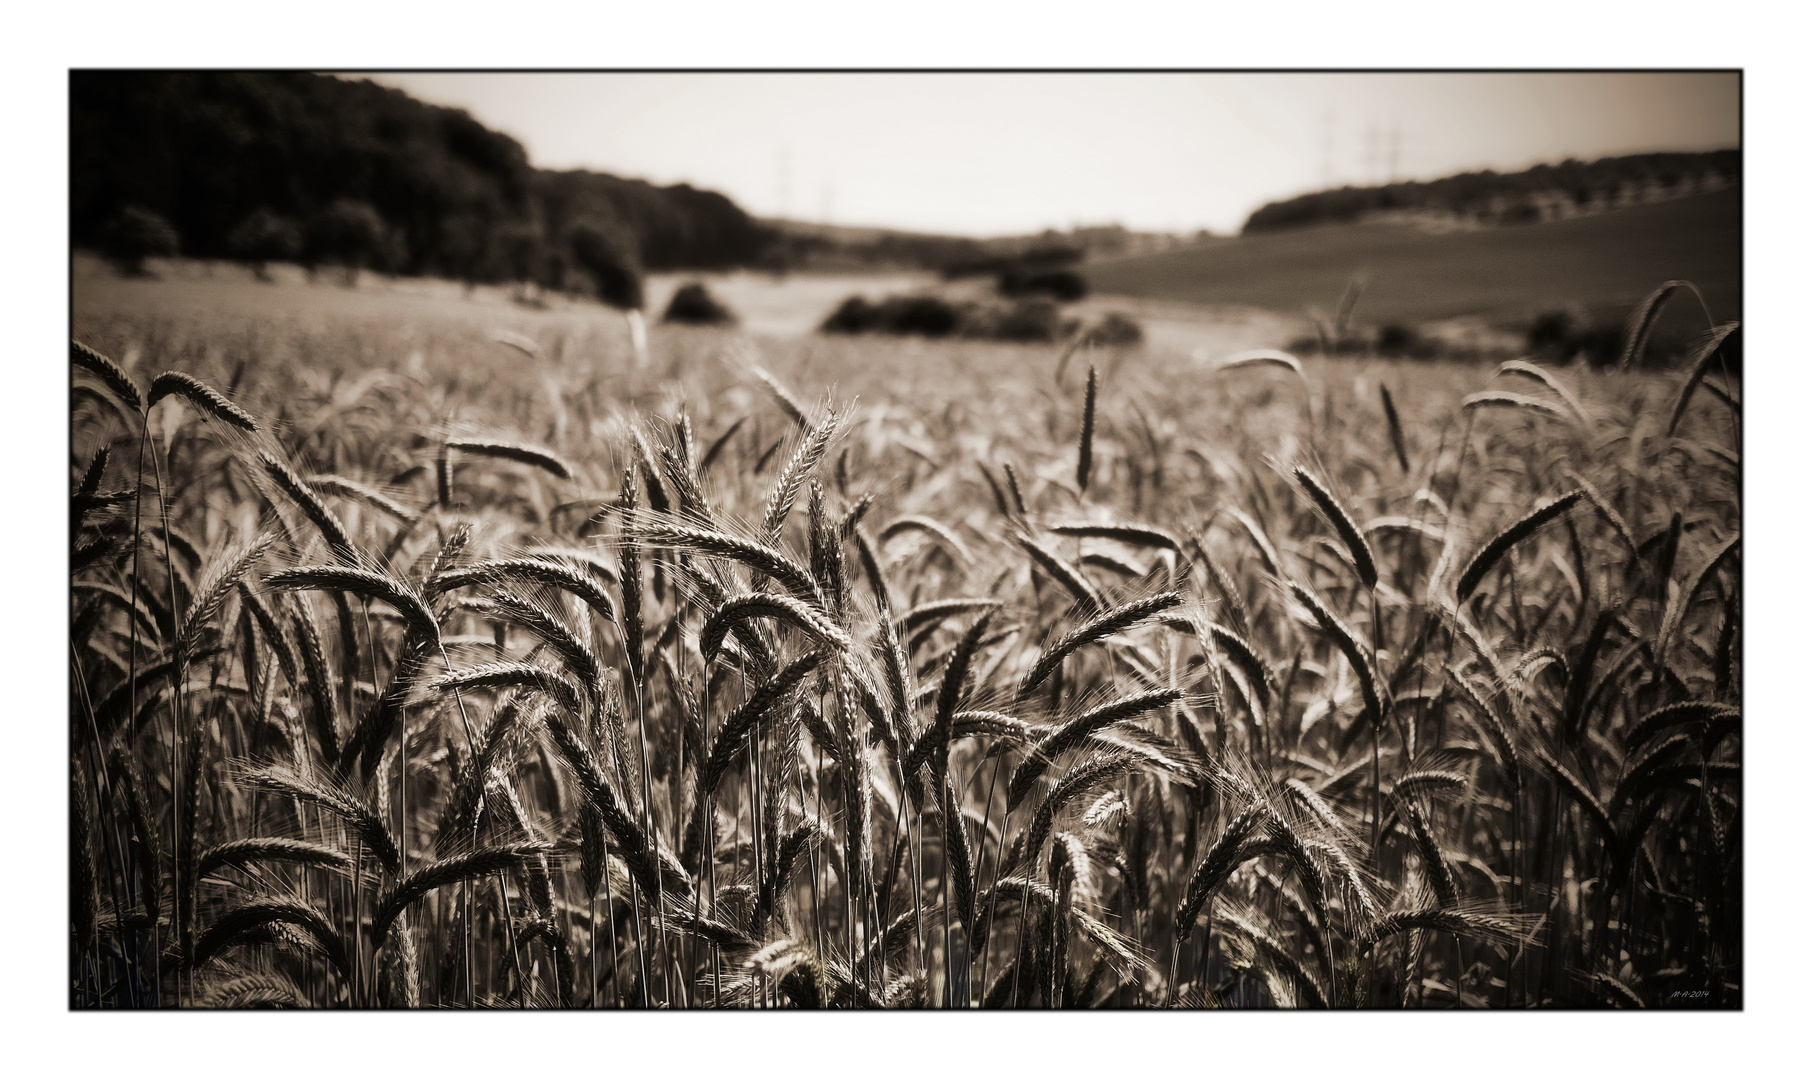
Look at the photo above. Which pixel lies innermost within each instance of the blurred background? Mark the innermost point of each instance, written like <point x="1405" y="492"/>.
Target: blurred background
<point x="1420" y="215"/>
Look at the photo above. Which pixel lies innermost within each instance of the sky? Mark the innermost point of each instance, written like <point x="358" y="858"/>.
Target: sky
<point x="1008" y="153"/>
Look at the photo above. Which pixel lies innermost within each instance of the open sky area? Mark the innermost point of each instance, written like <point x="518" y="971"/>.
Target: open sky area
<point x="1011" y="152"/>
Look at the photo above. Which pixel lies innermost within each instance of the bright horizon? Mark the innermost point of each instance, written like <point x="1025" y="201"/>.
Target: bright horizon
<point x="1008" y="153"/>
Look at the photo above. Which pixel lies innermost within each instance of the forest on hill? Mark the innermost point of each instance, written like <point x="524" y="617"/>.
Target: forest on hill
<point x="1542" y="193"/>
<point x="310" y="168"/>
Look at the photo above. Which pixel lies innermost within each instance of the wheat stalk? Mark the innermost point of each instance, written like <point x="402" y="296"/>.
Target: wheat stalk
<point x="1349" y="645"/>
<point x="238" y="923"/>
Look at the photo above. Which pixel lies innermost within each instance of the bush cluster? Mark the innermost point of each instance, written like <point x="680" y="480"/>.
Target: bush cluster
<point x="693" y="305"/>
<point x="1060" y="285"/>
<point x="1389" y="341"/>
<point x="1563" y="335"/>
<point x="1028" y="321"/>
<point x="1025" y="320"/>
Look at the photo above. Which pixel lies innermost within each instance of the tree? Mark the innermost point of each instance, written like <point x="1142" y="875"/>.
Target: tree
<point x="265" y="237"/>
<point x="352" y="235"/>
<point x="552" y="269"/>
<point x="513" y="253"/>
<point x="136" y="234"/>
<point x="613" y="266"/>
<point x="617" y="272"/>
<point x="205" y="150"/>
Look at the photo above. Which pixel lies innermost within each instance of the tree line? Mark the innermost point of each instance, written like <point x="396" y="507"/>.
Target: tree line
<point x="1535" y="194"/>
<point x="291" y="166"/>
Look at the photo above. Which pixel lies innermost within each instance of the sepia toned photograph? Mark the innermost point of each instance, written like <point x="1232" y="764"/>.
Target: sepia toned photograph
<point x="1118" y="540"/>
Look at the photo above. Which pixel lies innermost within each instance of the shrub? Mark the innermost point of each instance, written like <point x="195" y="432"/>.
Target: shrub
<point x="694" y="305"/>
<point x="1116" y="329"/>
<point x="137" y="234"/>
<point x="1062" y="285"/>
<point x="1025" y="321"/>
<point x="926" y="316"/>
<point x="921" y="314"/>
<point x="1324" y="344"/>
<point x="1029" y="320"/>
<point x="1039" y="260"/>
<point x="1395" y="340"/>
<point x="854" y="315"/>
<point x="1549" y="330"/>
<point x="1563" y="336"/>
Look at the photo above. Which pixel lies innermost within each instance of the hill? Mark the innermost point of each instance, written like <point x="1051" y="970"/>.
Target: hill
<point x="1604" y="263"/>
<point x="1543" y="193"/>
<point x="295" y="166"/>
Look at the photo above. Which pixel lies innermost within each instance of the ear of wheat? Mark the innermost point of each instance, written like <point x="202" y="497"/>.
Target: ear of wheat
<point x="109" y="373"/>
<point x="1542" y="375"/>
<point x="1485" y="399"/>
<point x="367" y="583"/>
<point x="1085" y="447"/>
<point x="521" y="453"/>
<point x="1343" y="524"/>
<point x="1642" y="320"/>
<point x="208" y="400"/>
<point x="1698" y="362"/>
<point x="1396" y="428"/>
<point x="1262" y="358"/>
<point x="1074" y="733"/>
<point x="1104" y="625"/>
<point x="1515" y="533"/>
<point x="311" y="506"/>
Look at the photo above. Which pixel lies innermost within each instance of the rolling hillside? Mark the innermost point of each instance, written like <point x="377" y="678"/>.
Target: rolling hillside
<point x="1605" y="262"/>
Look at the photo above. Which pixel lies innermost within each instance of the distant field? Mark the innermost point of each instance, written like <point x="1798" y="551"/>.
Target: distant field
<point x="769" y="307"/>
<point x="1604" y="263"/>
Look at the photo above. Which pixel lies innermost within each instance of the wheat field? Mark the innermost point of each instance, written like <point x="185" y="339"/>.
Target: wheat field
<point x="437" y="665"/>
